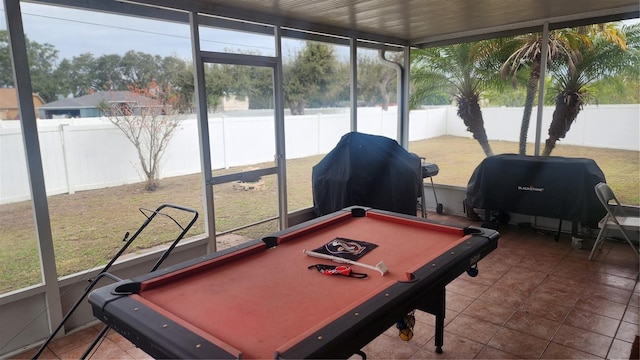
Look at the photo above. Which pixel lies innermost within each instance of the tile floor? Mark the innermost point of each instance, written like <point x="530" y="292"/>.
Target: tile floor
<point x="534" y="298"/>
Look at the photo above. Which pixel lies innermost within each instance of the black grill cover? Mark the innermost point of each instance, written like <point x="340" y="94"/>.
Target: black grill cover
<point x="367" y="170"/>
<point x="549" y="186"/>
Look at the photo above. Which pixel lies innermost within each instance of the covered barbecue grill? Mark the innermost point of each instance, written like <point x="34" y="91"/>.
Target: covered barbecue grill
<point x="367" y="170"/>
<point x="549" y="186"/>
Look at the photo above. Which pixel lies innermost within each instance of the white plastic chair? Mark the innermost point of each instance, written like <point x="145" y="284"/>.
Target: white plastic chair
<point x="618" y="216"/>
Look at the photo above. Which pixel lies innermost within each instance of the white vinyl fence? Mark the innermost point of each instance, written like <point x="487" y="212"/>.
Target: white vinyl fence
<point x="82" y="154"/>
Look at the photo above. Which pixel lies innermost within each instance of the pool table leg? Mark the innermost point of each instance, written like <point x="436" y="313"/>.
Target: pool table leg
<point x="434" y="303"/>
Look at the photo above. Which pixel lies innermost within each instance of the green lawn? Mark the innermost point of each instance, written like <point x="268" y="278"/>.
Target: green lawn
<point x="88" y="226"/>
<point x="457" y="158"/>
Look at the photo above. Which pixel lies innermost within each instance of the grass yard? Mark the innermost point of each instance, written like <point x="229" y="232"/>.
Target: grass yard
<point x="88" y="226"/>
<point x="458" y="157"/>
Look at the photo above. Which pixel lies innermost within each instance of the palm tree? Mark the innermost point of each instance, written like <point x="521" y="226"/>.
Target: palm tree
<point x="455" y="70"/>
<point x="528" y="55"/>
<point x="608" y="50"/>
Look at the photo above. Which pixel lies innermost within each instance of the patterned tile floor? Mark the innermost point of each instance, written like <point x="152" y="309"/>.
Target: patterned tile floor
<point x="534" y="298"/>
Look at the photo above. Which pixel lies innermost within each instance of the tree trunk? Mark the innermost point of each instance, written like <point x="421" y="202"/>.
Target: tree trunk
<point x="296" y="107"/>
<point x="532" y="85"/>
<point x="382" y="86"/>
<point x="469" y="111"/>
<point x="385" y="100"/>
<point x="568" y="105"/>
<point x="152" y="184"/>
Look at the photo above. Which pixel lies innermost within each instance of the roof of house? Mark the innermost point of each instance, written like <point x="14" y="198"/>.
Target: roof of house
<point x="91" y="100"/>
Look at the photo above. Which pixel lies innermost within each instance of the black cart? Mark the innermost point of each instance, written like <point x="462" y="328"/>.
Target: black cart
<point x="429" y="170"/>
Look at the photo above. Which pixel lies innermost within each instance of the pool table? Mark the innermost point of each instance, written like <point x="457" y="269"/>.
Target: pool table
<point x="261" y="300"/>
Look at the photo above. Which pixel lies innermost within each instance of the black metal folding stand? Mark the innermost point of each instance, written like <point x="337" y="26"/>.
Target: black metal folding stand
<point x="104" y="272"/>
<point x="429" y="170"/>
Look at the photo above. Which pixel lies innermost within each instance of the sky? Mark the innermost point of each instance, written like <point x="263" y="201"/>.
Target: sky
<point x="74" y="32"/>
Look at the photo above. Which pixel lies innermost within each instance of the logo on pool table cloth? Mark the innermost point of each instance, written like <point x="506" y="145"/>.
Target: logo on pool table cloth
<point x="346" y="248"/>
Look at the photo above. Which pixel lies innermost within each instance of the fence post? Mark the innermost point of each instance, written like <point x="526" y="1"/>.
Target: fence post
<point x="318" y="133"/>
<point x="224" y="143"/>
<point x="66" y="153"/>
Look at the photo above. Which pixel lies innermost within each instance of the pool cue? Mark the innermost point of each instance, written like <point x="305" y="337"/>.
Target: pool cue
<point x="380" y="267"/>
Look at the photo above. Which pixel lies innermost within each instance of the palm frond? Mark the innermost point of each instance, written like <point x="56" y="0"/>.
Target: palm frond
<point x="610" y="50"/>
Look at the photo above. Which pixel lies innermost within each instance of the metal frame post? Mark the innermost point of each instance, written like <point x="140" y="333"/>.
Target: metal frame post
<point x="203" y="132"/>
<point x="543" y="73"/>
<point x="31" y="142"/>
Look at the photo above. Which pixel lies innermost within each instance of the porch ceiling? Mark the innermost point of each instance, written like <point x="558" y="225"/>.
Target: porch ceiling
<point x="415" y="22"/>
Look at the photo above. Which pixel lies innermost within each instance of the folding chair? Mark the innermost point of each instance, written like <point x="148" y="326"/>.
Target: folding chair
<point x="618" y="215"/>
